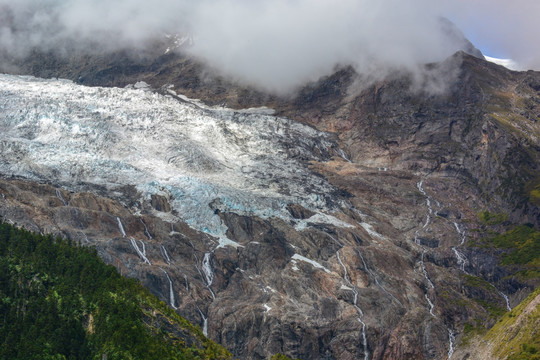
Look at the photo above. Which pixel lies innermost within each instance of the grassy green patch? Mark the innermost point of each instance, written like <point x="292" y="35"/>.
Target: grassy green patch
<point x="488" y="218"/>
<point x="493" y="310"/>
<point x="523" y="243"/>
<point x="517" y="335"/>
<point x="470" y="331"/>
<point x="280" y="357"/>
<point x="478" y="282"/>
<point x="532" y="189"/>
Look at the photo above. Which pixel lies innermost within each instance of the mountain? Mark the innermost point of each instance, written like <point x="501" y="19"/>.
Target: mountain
<point x="359" y="219"/>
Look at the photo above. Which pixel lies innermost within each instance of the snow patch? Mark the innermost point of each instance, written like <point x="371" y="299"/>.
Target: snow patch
<point x="309" y="261"/>
<point x="225" y="241"/>
<point x="321" y="218"/>
<point x="369" y="229"/>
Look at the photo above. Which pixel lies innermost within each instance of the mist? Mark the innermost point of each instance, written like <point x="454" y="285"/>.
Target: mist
<point x="275" y="45"/>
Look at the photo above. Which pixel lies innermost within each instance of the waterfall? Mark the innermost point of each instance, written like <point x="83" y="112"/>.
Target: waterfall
<point x="420" y="187"/>
<point x="165" y="254"/>
<point x="121" y="227"/>
<point x="462" y="262"/>
<point x="171" y="290"/>
<point x="205" y="322"/>
<point x="204" y="276"/>
<point x="146" y="232"/>
<point x="343" y="155"/>
<point x="142" y="254"/>
<point x="451" y="341"/>
<point x="187" y="283"/>
<point x="460" y="257"/>
<point x="424" y="270"/>
<point x="355" y="304"/>
<point x="461" y="233"/>
<point x="375" y="279"/>
<point x="508" y="307"/>
<point x="207" y="269"/>
<point x="59" y="195"/>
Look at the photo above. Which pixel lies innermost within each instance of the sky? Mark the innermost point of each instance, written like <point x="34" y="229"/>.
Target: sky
<point x="280" y="44"/>
<point x="500" y="28"/>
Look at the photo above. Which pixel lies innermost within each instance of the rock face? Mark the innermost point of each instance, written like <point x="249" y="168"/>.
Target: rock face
<point x="338" y="230"/>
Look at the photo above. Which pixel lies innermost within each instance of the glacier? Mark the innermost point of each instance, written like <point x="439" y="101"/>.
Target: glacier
<point x="203" y="159"/>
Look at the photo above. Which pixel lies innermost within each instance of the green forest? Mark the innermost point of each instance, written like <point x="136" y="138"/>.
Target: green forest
<point x="60" y="301"/>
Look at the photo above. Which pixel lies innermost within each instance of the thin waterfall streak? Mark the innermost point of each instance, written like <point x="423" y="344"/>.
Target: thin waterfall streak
<point x="506" y="299"/>
<point x="165" y="254"/>
<point x="420" y="187"/>
<point x="121" y="227"/>
<point x="146" y="232"/>
<point x="375" y="278"/>
<point x="59" y="196"/>
<point x="207" y="269"/>
<point x="171" y="290"/>
<point x="416" y="238"/>
<point x="203" y="276"/>
<point x="205" y="321"/>
<point x="461" y="233"/>
<point x="461" y="259"/>
<point x="343" y="155"/>
<point x="364" y="339"/>
<point x="424" y="271"/>
<point x="355" y="304"/>
<point x="139" y="252"/>
<point x="451" y="341"/>
<point x="143" y="248"/>
<point x="187" y="283"/>
<point x="431" y="306"/>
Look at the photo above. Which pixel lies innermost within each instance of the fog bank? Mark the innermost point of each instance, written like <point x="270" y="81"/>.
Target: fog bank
<point x="275" y="45"/>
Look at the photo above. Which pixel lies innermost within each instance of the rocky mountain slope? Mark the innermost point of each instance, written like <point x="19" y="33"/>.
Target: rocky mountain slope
<point x="351" y="222"/>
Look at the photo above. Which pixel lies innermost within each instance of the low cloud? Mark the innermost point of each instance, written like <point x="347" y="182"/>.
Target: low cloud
<point x="276" y="45"/>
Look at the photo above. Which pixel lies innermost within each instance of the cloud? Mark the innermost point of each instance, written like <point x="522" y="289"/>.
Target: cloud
<point x="284" y="43"/>
<point x="276" y="45"/>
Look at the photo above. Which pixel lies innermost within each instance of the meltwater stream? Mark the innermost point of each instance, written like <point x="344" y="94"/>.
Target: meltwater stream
<point x="121" y="227"/>
<point x="146" y="232"/>
<point x="420" y="187"/>
<point x="59" y="196"/>
<point x="451" y="336"/>
<point x="355" y="304"/>
<point x="171" y="290"/>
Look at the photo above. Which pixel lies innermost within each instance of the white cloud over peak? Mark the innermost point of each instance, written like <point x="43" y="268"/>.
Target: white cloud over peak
<point x="278" y="44"/>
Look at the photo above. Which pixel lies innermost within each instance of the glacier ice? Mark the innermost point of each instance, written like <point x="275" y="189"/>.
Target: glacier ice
<point x="204" y="159"/>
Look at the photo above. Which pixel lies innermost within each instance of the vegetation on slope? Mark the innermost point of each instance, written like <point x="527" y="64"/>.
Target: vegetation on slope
<point x="523" y="243"/>
<point x="519" y="246"/>
<point x="516" y="336"/>
<point x="60" y="301"/>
